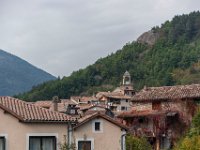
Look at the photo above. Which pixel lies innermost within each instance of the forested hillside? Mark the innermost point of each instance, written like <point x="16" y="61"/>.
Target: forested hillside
<point x="173" y="58"/>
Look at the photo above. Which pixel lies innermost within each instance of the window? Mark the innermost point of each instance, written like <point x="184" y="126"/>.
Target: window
<point x="97" y="126"/>
<point x="141" y="120"/>
<point x="123" y="108"/>
<point x="72" y="111"/>
<point x="2" y="143"/>
<point x="42" y="143"/>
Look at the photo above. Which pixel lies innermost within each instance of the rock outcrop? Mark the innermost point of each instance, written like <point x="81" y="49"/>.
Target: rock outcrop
<point x="149" y="38"/>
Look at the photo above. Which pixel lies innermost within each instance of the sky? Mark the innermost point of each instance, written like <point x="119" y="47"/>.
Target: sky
<point x="62" y="36"/>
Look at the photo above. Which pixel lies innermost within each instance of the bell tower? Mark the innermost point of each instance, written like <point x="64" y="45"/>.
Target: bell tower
<point x="126" y="78"/>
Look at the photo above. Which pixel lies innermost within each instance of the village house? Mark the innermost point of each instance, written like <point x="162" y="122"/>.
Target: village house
<point x="99" y="132"/>
<point x="84" y="100"/>
<point x="162" y="114"/>
<point x="96" y="108"/>
<point x="24" y="126"/>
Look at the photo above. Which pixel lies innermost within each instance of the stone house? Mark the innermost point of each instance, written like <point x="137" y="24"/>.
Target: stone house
<point x="162" y="113"/>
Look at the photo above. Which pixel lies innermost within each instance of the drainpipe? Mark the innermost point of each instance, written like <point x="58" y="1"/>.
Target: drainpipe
<point x="123" y="144"/>
<point x="69" y="133"/>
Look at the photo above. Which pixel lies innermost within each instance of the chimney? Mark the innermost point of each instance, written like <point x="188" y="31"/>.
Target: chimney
<point x="145" y="88"/>
<point x="55" y="101"/>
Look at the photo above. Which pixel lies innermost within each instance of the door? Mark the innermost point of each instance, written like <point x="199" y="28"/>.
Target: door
<point x="84" y="145"/>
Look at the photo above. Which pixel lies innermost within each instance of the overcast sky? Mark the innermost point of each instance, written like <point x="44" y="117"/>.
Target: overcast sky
<point x="61" y="36"/>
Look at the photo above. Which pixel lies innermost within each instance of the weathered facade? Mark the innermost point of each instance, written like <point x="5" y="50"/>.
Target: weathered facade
<point x="162" y="113"/>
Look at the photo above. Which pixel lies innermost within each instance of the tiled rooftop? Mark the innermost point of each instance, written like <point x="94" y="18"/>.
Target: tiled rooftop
<point x="99" y="115"/>
<point x="115" y="95"/>
<point x="62" y="106"/>
<point x="146" y="113"/>
<point x="83" y="98"/>
<point x="168" y="92"/>
<point x="27" y="112"/>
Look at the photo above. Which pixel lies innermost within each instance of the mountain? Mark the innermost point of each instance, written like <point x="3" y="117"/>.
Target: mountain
<point x="18" y="76"/>
<point x="165" y="55"/>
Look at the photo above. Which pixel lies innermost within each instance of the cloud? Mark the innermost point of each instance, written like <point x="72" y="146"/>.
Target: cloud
<point x="61" y="36"/>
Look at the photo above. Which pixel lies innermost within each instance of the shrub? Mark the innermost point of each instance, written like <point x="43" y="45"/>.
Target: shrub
<point x="135" y="143"/>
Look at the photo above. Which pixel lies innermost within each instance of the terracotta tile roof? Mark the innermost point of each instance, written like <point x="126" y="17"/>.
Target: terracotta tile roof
<point x="115" y="95"/>
<point x="97" y="115"/>
<point x="67" y="101"/>
<point x="83" y="98"/>
<point x="88" y="98"/>
<point x="124" y="88"/>
<point x="46" y="103"/>
<point x="84" y="106"/>
<point x="93" y="106"/>
<point x="62" y="106"/>
<point x="168" y="92"/>
<point x="146" y="113"/>
<point x="27" y="112"/>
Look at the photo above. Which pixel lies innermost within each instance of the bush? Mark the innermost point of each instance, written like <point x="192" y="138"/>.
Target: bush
<point x="189" y="143"/>
<point x="192" y="139"/>
<point x="135" y="143"/>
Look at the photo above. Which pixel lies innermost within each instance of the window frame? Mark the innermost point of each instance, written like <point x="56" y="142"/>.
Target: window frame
<point x="88" y="139"/>
<point x="100" y="128"/>
<point x="5" y="136"/>
<point x="97" y="126"/>
<point x="41" y="140"/>
<point x="55" y="135"/>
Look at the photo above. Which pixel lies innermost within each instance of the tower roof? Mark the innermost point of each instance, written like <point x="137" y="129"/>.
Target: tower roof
<point x="127" y="73"/>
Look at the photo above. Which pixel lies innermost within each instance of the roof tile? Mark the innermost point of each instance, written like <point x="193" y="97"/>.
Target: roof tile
<point x="27" y="112"/>
<point x="168" y="92"/>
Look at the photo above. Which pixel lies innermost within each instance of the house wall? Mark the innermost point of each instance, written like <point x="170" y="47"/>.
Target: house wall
<point x="123" y="103"/>
<point x="17" y="133"/>
<point x="109" y="139"/>
<point x="186" y="108"/>
<point x="142" y="106"/>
